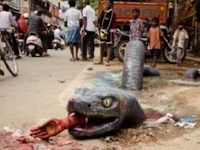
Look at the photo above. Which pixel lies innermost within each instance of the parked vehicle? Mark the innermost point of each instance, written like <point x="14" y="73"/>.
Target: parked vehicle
<point x="57" y="43"/>
<point x="34" y="44"/>
<point x="123" y="38"/>
<point x="7" y="54"/>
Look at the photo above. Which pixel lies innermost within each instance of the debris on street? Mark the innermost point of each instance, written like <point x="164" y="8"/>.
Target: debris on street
<point x="187" y="123"/>
<point x="166" y="119"/>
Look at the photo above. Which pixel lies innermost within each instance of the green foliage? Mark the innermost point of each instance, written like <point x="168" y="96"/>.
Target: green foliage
<point x="94" y="4"/>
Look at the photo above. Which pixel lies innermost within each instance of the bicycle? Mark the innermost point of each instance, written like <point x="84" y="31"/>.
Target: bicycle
<point x="6" y="52"/>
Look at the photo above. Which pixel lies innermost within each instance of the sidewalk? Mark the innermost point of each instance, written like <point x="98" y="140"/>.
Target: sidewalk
<point x="196" y="59"/>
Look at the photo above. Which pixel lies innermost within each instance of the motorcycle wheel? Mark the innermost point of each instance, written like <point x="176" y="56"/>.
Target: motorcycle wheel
<point x="169" y="58"/>
<point x="120" y="50"/>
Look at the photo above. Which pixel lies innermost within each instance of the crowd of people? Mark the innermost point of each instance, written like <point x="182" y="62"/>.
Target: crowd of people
<point x="81" y="29"/>
<point x="82" y="26"/>
<point x="106" y="23"/>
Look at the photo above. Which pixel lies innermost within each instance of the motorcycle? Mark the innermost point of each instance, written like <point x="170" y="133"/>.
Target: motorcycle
<point x="58" y="43"/>
<point x="167" y="48"/>
<point x="20" y="42"/>
<point x="34" y="44"/>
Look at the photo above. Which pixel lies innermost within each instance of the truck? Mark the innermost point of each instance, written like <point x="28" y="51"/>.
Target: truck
<point x="148" y="10"/>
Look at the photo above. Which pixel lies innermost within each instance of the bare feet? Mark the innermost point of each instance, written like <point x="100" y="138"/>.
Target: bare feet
<point x="72" y="59"/>
<point x="154" y="65"/>
<point x="107" y="64"/>
<point x="45" y="54"/>
<point x="77" y="59"/>
<point x="18" y="57"/>
<point x="84" y="59"/>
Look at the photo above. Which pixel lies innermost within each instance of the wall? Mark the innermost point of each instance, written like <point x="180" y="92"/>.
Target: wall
<point x="24" y="6"/>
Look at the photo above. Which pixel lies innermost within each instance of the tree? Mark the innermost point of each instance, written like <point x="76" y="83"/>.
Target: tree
<point x="94" y="4"/>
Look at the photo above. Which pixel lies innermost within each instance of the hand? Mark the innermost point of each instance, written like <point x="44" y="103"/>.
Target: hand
<point x="83" y="33"/>
<point x="50" y="128"/>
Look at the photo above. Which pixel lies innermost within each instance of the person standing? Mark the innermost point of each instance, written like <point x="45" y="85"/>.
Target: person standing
<point x="57" y="33"/>
<point x="154" y="38"/>
<point x="107" y="22"/>
<point x="73" y="18"/>
<point x="88" y="30"/>
<point x="180" y="42"/>
<point x="7" y="20"/>
<point x="136" y="26"/>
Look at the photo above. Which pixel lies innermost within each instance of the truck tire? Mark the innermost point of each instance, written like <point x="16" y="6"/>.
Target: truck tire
<point x="150" y="71"/>
<point x="120" y="51"/>
<point x="192" y="74"/>
<point x="132" y="78"/>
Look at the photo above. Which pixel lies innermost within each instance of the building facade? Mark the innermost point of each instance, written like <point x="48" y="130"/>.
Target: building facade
<point x="49" y="7"/>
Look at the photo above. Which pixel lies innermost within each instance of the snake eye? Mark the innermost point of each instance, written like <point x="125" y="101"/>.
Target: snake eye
<point x="107" y="102"/>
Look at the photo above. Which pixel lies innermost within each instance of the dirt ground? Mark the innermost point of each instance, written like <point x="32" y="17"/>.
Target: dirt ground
<point x="160" y="94"/>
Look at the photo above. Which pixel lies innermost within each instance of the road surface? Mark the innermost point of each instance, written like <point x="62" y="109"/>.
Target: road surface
<point x="34" y="94"/>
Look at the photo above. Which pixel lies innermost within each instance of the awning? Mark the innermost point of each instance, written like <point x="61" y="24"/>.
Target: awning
<point x="14" y="4"/>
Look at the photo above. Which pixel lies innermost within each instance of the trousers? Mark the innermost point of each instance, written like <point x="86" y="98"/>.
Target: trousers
<point x="179" y="54"/>
<point x="88" y="41"/>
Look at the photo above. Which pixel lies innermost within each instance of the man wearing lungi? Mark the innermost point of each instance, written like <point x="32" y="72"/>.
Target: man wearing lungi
<point x="73" y="18"/>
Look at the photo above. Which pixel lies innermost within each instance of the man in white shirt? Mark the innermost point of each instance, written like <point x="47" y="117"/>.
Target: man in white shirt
<point x="88" y="30"/>
<point x="57" y="33"/>
<point x="73" y="18"/>
<point x="7" y="21"/>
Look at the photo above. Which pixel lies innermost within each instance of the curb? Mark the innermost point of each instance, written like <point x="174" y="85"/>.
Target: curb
<point x="193" y="59"/>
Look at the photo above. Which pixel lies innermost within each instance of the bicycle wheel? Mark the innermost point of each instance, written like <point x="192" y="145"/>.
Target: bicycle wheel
<point x="9" y="60"/>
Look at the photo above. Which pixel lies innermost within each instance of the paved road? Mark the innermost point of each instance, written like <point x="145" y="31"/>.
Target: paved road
<point x="35" y="93"/>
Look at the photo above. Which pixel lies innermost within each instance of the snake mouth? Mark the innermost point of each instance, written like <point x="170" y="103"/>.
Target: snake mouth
<point x="94" y="125"/>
